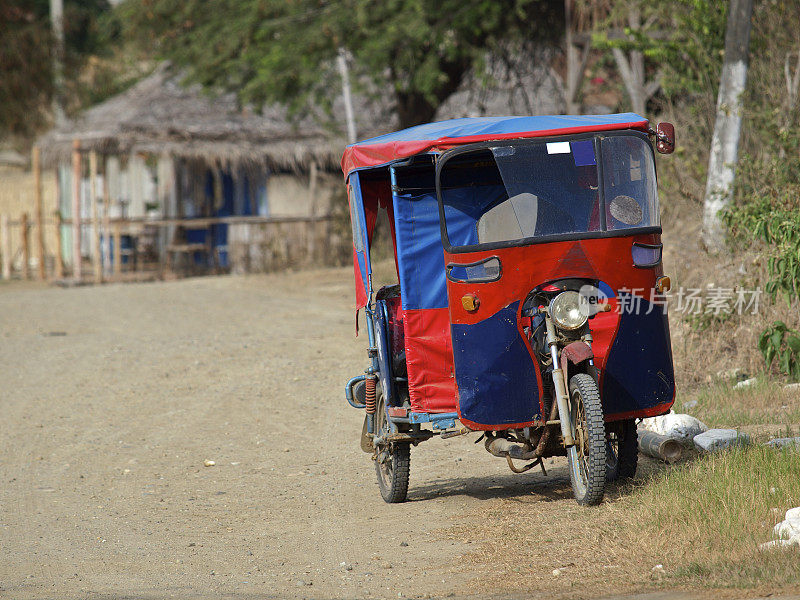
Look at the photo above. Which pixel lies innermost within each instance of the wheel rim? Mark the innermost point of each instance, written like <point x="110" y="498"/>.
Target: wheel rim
<point x="384" y="456"/>
<point x="579" y="452"/>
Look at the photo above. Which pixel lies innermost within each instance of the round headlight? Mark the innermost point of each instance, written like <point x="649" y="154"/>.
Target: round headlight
<point x="569" y="310"/>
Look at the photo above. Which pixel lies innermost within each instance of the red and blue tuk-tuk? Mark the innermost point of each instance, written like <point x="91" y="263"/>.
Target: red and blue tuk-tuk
<point x="530" y="304"/>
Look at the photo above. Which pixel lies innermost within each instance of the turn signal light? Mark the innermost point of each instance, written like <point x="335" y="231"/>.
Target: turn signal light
<point x="663" y="284"/>
<point x="470" y="302"/>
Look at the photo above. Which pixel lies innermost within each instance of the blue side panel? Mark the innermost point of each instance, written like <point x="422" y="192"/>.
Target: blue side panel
<point x="363" y="255"/>
<point x="420" y="255"/>
<point x="638" y="373"/>
<point x="497" y="385"/>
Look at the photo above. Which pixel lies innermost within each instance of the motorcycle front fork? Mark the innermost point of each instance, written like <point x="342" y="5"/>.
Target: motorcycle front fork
<point x="560" y="382"/>
<point x="559" y="385"/>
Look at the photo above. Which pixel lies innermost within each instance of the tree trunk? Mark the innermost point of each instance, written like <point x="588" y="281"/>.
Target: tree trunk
<point x="631" y="69"/>
<point x="725" y="141"/>
<point x="413" y="109"/>
<point x="576" y="61"/>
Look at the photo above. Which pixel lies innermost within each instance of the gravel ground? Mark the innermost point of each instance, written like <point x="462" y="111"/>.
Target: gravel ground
<point x="115" y="396"/>
<point x="114" y="399"/>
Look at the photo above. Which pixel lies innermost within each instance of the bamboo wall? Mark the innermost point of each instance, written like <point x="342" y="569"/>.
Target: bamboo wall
<point x="17" y="198"/>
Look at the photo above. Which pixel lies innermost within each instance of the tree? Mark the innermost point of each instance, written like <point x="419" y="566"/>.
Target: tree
<point x="26" y="85"/>
<point x="725" y="142"/>
<point x="278" y="51"/>
<point x="668" y="47"/>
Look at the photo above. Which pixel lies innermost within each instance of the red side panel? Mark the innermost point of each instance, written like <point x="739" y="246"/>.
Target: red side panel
<point x="361" y="293"/>
<point x="430" y="360"/>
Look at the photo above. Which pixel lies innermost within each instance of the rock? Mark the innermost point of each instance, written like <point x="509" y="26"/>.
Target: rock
<point x="785" y="443"/>
<point x="208" y="463"/>
<point x="677" y="426"/>
<point x="786" y="533"/>
<point x="657" y="572"/>
<point x="736" y="374"/>
<point x="690" y="404"/>
<point x="556" y="572"/>
<point x="719" y="439"/>
<point x="404" y="544"/>
<point x="745" y="384"/>
<point x="789" y="528"/>
<point x="776" y="544"/>
<point x="792" y="387"/>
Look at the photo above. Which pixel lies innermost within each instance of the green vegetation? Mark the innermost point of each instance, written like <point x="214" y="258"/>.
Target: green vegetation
<point x="26" y="85"/>
<point x="782" y="344"/>
<point x="766" y="402"/>
<point x="726" y="504"/>
<point x="278" y="51"/>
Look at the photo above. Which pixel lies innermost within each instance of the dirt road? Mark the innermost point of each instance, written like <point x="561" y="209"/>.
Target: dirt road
<point x="114" y="396"/>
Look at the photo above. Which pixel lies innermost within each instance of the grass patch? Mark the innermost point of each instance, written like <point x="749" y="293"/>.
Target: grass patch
<point x="704" y="520"/>
<point x="765" y="402"/>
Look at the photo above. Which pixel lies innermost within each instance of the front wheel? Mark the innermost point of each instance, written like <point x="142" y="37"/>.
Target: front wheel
<point x="392" y="461"/>
<point x="587" y="458"/>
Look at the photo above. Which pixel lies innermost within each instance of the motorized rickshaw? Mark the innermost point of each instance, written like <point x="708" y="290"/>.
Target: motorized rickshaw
<point x="530" y="304"/>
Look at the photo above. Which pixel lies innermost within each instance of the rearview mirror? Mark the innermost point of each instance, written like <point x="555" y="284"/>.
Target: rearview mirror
<point x="665" y="138"/>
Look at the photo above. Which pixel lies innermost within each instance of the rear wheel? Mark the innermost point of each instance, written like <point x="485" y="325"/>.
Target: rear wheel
<point x="622" y="448"/>
<point x="587" y="458"/>
<point x="392" y="460"/>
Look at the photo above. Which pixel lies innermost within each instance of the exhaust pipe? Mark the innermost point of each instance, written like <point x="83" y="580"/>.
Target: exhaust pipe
<point x="502" y="448"/>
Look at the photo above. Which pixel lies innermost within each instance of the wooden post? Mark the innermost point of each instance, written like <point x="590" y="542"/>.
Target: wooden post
<point x="37" y="215"/>
<point x="76" y="209"/>
<point x="97" y="260"/>
<point x="106" y="220"/>
<point x="5" y="246"/>
<point x="341" y="60"/>
<point x="26" y="249"/>
<point x="117" y="250"/>
<point x="59" y="274"/>
<point x="312" y="224"/>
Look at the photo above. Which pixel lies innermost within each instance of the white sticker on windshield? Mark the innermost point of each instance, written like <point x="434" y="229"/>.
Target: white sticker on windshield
<point x="558" y="148"/>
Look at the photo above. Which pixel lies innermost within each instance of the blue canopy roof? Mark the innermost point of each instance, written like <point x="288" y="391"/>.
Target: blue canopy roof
<point x="422" y="138"/>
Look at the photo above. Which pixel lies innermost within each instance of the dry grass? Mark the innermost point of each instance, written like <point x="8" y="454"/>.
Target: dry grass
<point x="764" y="403"/>
<point x="702" y="521"/>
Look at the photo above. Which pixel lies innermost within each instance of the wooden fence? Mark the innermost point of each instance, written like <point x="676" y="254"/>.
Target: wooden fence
<point x="100" y="248"/>
<point x="121" y="249"/>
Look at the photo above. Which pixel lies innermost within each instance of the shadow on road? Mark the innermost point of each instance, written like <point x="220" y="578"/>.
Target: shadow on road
<point x="527" y="487"/>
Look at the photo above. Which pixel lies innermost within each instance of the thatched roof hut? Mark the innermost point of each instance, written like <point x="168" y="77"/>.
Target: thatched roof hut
<point x="159" y="115"/>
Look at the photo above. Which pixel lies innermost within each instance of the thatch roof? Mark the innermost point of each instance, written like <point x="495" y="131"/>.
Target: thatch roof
<point x="160" y="115"/>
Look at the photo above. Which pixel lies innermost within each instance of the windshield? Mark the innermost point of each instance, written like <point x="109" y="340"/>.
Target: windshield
<point x="517" y="192"/>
